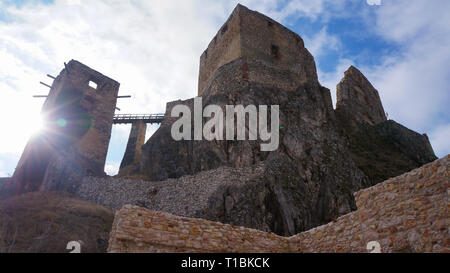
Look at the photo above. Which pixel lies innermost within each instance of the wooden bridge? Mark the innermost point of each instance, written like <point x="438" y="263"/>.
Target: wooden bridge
<point x="132" y="118"/>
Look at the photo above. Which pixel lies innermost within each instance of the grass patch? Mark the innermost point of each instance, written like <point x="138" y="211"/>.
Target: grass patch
<point x="45" y="222"/>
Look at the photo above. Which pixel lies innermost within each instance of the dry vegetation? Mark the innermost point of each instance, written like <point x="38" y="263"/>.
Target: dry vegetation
<point x="46" y="222"/>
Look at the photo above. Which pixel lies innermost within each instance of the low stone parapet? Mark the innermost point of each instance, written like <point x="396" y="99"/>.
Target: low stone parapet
<point x="408" y="213"/>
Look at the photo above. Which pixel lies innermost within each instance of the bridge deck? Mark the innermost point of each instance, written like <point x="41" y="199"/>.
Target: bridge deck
<point x="130" y="118"/>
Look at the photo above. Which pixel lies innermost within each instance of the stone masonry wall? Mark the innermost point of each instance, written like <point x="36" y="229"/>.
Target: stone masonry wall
<point x="408" y="213"/>
<point x="269" y="51"/>
<point x="137" y="229"/>
<point x="78" y="117"/>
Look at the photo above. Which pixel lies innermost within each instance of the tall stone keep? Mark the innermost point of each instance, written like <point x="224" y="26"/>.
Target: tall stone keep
<point x="271" y="54"/>
<point x="133" y="153"/>
<point x="358" y="100"/>
<point x="78" y="115"/>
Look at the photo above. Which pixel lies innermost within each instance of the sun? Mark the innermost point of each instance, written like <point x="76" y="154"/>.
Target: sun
<point x="36" y="125"/>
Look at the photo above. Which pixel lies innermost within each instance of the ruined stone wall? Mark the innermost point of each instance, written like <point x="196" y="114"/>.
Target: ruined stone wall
<point x="74" y="143"/>
<point x="267" y="41"/>
<point x="99" y="104"/>
<point x="272" y="54"/>
<point x="224" y="48"/>
<point x="137" y="229"/>
<point x="408" y="213"/>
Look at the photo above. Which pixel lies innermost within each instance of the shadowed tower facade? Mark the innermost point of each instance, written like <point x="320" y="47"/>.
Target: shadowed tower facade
<point x="78" y="116"/>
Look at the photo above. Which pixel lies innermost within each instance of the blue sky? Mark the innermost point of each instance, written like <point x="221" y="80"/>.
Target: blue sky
<point x="153" y="47"/>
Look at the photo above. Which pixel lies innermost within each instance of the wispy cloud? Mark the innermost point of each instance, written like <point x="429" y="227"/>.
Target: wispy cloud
<point x="414" y="85"/>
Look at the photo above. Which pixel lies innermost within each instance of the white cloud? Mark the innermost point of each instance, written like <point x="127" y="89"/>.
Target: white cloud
<point x="439" y="137"/>
<point x="322" y="42"/>
<point x="414" y="86"/>
<point x="8" y="163"/>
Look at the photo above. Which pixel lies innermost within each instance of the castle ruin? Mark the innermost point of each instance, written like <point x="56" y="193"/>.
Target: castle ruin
<point x="325" y="154"/>
<point x="272" y="54"/>
<point x="78" y="115"/>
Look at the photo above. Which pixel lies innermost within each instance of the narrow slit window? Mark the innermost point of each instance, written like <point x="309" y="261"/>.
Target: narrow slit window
<point x="274" y="50"/>
<point x="93" y="84"/>
<point x="224" y="29"/>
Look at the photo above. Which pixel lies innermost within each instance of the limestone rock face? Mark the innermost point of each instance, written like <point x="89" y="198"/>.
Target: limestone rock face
<point x="381" y="148"/>
<point x="387" y="149"/>
<point x="357" y="100"/>
<point x="309" y="180"/>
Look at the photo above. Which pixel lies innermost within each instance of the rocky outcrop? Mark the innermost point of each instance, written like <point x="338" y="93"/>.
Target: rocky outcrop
<point x="310" y="179"/>
<point x="388" y="149"/>
<point x="357" y="100"/>
<point x="381" y="148"/>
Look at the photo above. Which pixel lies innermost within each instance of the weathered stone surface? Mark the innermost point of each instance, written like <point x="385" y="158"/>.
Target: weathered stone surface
<point x="133" y="153"/>
<point x="387" y="149"/>
<point x="74" y="143"/>
<point x="310" y="179"/>
<point x="408" y="213"/>
<point x="282" y="59"/>
<point x="357" y="100"/>
<point x="186" y="196"/>
<point x="3" y="181"/>
<point x="381" y="148"/>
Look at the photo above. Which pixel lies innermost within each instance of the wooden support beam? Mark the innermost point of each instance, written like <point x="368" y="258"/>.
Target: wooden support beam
<point x="117" y="108"/>
<point x="45" y="84"/>
<point x="123" y="97"/>
<point x="40" y="96"/>
<point x="50" y="76"/>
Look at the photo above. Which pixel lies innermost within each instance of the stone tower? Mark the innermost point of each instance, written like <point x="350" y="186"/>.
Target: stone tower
<point x="271" y="54"/>
<point x="78" y="115"/>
